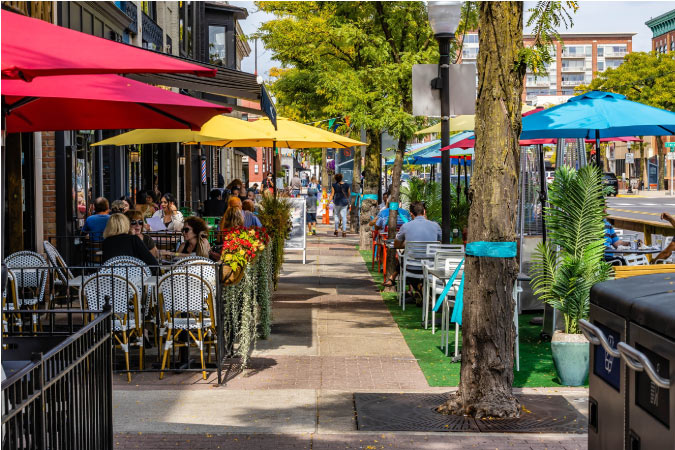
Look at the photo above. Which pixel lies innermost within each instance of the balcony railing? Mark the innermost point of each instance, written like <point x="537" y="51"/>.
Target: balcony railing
<point x="131" y="10"/>
<point x="152" y="34"/>
<point x="537" y="83"/>
<point x="615" y="54"/>
<point x="573" y="69"/>
<point x="573" y="55"/>
<point x="572" y="82"/>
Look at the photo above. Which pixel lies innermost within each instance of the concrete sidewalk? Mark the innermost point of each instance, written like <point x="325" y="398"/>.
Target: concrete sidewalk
<point x="332" y="335"/>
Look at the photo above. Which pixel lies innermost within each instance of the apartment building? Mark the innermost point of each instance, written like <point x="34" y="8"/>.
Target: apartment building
<point x="663" y="32"/>
<point x="578" y="62"/>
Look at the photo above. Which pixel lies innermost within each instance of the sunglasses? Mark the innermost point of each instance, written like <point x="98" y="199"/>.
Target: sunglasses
<point x="136" y="222"/>
<point x="187" y="230"/>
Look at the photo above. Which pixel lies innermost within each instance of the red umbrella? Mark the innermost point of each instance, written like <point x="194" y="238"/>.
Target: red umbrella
<point x="33" y="48"/>
<point x="99" y="102"/>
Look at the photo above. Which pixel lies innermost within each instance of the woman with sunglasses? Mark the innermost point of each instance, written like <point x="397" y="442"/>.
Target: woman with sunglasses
<point x="195" y="238"/>
<point x="168" y="212"/>
<point x="136" y="229"/>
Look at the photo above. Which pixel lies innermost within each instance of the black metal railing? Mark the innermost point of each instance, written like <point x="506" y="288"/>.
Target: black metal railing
<point x="152" y="33"/>
<point x="131" y="10"/>
<point x="165" y="318"/>
<point x="58" y="392"/>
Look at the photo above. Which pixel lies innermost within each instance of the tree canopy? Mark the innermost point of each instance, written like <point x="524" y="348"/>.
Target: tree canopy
<point x="647" y="78"/>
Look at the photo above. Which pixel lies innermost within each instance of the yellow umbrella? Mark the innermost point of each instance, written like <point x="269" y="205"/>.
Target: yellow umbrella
<point x="289" y="134"/>
<point x="219" y="127"/>
<point x="462" y="123"/>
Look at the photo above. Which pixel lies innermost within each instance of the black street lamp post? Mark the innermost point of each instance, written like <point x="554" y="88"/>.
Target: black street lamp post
<point x="444" y="18"/>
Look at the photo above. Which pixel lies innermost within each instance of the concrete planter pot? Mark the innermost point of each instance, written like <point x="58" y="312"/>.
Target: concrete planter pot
<point x="571" y="357"/>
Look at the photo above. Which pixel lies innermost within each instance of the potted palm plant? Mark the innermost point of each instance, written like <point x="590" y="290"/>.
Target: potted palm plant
<point x="564" y="268"/>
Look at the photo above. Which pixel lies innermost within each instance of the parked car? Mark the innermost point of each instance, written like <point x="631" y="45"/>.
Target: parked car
<point x="609" y="179"/>
<point x="549" y="176"/>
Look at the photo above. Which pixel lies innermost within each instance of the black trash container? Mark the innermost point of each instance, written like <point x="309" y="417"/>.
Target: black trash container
<point x="650" y="356"/>
<point x="610" y="311"/>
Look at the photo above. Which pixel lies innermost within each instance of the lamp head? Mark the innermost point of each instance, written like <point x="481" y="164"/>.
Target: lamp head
<point x="444" y="17"/>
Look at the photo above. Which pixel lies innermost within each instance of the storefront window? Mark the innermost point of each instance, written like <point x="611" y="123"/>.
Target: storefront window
<point x="217" y="51"/>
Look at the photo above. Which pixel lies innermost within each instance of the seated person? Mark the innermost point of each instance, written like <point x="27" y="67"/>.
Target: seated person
<point x="418" y="229"/>
<point x="668" y="251"/>
<point x="118" y="241"/>
<point x="612" y="241"/>
<point x="195" y="239"/>
<point x="96" y="223"/>
<point x="382" y="220"/>
<point x="215" y="206"/>
<point x="136" y="228"/>
<point x="119" y="207"/>
<point x="250" y="219"/>
<point x="233" y="217"/>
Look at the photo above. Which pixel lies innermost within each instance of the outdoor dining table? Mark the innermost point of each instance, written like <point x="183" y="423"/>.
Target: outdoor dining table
<point x="639" y="251"/>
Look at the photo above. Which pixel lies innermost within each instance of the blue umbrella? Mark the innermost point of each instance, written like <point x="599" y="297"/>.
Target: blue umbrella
<point x="597" y="115"/>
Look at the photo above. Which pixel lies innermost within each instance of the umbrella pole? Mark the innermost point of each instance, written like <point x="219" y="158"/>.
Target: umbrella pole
<point x="459" y="188"/>
<point x="597" y="148"/>
<point x="542" y="189"/>
<point x="274" y="167"/>
<point x="466" y="180"/>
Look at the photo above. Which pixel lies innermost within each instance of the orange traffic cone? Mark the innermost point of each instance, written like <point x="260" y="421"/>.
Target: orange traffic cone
<point x="326" y="215"/>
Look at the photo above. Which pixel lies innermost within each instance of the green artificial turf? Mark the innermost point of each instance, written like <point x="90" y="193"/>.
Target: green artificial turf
<point x="536" y="363"/>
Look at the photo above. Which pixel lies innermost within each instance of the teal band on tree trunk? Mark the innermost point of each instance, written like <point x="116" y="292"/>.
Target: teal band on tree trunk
<point x="369" y="197"/>
<point x="492" y="249"/>
<point x="393" y="206"/>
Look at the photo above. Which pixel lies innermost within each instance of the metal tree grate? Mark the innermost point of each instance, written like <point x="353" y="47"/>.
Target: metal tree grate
<point x="416" y="412"/>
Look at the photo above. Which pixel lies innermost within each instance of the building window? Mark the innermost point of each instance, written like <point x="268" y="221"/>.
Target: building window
<point x="470" y="53"/>
<point x="601" y="66"/>
<point x="150" y="8"/>
<point x="217" y="44"/>
<point x="185" y="13"/>
<point x="255" y="168"/>
<point x="613" y="64"/>
<point x="601" y="51"/>
<point x="471" y="39"/>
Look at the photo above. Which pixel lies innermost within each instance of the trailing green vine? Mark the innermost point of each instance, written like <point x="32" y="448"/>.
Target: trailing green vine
<point x="248" y="306"/>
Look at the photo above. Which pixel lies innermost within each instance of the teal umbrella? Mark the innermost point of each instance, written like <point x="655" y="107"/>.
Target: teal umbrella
<point x="597" y="115"/>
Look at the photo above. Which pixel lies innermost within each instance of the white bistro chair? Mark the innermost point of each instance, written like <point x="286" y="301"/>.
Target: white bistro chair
<point x="124" y="300"/>
<point x="411" y="265"/>
<point x="186" y="300"/>
<point x="27" y="276"/>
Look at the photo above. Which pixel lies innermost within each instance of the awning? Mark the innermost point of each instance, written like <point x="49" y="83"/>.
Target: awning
<point x="228" y="82"/>
<point x="34" y="48"/>
<point x="98" y="102"/>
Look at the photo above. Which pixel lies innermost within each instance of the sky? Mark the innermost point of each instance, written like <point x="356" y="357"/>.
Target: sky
<point x="592" y="16"/>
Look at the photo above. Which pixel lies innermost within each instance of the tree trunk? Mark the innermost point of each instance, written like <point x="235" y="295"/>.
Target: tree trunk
<point x="370" y="186"/>
<point x="395" y="197"/>
<point x="662" y="160"/>
<point x="356" y="189"/>
<point x="487" y="320"/>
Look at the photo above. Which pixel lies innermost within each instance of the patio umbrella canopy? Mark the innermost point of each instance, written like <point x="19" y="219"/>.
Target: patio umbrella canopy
<point x="597" y="115"/>
<point x="217" y="128"/>
<point x="289" y="134"/>
<point x="98" y="102"/>
<point x="34" y="48"/>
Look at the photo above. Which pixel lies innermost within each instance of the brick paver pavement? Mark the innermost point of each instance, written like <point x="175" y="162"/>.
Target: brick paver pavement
<point x="332" y="335"/>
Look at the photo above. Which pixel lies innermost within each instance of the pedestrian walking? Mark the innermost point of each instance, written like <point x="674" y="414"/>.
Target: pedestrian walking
<point x="311" y="200"/>
<point x="340" y="198"/>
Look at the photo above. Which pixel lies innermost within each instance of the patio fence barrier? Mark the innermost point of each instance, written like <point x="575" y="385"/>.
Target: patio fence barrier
<point x="58" y="390"/>
<point x="166" y="318"/>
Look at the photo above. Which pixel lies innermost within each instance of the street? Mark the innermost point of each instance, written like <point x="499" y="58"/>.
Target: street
<point x="641" y="207"/>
